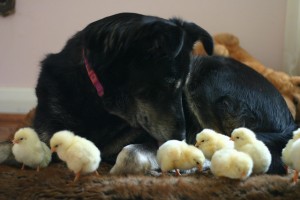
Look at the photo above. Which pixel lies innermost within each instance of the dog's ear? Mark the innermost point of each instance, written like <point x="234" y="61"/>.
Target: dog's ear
<point x="194" y="33"/>
<point x="162" y="37"/>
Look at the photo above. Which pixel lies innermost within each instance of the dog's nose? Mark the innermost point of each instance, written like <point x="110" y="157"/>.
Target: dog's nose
<point x="179" y="131"/>
<point x="179" y="135"/>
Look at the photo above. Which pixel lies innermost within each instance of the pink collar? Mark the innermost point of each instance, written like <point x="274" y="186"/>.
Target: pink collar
<point x="93" y="77"/>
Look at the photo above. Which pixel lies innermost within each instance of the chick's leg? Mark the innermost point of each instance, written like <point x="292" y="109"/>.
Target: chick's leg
<point x="295" y="178"/>
<point x="38" y="168"/>
<point x="97" y="173"/>
<point x="243" y="175"/>
<point x="77" y="175"/>
<point x="23" y="167"/>
<point x="177" y="172"/>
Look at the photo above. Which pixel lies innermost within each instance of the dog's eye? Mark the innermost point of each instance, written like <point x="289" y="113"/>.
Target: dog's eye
<point x="169" y="80"/>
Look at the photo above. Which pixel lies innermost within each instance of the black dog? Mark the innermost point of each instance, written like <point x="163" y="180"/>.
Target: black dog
<point x="224" y="94"/>
<point x="119" y="81"/>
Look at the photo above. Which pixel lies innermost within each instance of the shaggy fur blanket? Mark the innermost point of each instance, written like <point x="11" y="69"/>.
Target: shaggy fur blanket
<point x="56" y="182"/>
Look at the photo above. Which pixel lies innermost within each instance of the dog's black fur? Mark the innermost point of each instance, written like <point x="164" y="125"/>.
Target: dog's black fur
<point x="142" y="63"/>
<point x="224" y="94"/>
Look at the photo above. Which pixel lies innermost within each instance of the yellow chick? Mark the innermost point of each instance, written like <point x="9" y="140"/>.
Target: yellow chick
<point x="245" y="141"/>
<point x="231" y="163"/>
<point x="286" y="152"/>
<point x="29" y="150"/>
<point x="80" y="154"/>
<point x="210" y="141"/>
<point x="177" y="155"/>
<point x="295" y="159"/>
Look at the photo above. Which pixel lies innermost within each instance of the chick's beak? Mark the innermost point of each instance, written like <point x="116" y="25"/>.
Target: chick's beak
<point x="14" y="141"/>
<point x="53" y="149"/>
<point x="199" y="167"/>
<point x="231" y="138"/>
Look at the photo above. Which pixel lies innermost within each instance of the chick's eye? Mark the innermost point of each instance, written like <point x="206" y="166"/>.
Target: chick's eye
<point x="21" y="138"/>
<point x="202" y="140"/>
<point x="237" y="137"/>
<point x="56" y="146"/>
<point x="197" y="163"/>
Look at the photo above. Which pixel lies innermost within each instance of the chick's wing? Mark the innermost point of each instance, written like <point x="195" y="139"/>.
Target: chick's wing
<point x="78" y="153"/>
<point x="47" y="155"/>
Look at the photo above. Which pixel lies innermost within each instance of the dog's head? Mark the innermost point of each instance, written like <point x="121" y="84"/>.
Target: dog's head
<point x="142" y="63"/>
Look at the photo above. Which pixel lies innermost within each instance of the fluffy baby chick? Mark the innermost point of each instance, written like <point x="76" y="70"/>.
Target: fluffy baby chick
<point x="245" y="141"/>
<point x="231" y="163"/>
<point x="295" y="159"/>
<point x="80" y="154"/>
<point x="29" y="150"/>
<point x="286" y="152"/>
<point x="210" y="141"/>
<point x="175" y="154"/>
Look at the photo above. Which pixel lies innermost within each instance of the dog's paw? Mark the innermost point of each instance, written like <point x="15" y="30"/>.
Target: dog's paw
<point x="135" y="159"/>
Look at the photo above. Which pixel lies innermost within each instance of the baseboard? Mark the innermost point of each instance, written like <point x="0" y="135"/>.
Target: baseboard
<point x="17" y="100"/>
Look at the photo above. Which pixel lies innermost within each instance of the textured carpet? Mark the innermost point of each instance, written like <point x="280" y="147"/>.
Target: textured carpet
<point x="56" y="182"/>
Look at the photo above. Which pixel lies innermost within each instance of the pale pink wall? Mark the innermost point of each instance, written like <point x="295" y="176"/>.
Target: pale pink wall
<point x="42" y="26"/>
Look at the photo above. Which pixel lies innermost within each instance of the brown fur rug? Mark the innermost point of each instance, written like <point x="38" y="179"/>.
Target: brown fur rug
<point x="56" y="182"/>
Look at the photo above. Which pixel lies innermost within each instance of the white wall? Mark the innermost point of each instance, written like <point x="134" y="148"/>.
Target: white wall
<point x="291" y="59"/>
<point x="42" y="26"/>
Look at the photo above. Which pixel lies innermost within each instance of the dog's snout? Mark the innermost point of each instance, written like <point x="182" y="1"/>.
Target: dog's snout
<point x="179" y="132"/>
<point x="180" y="135"/>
